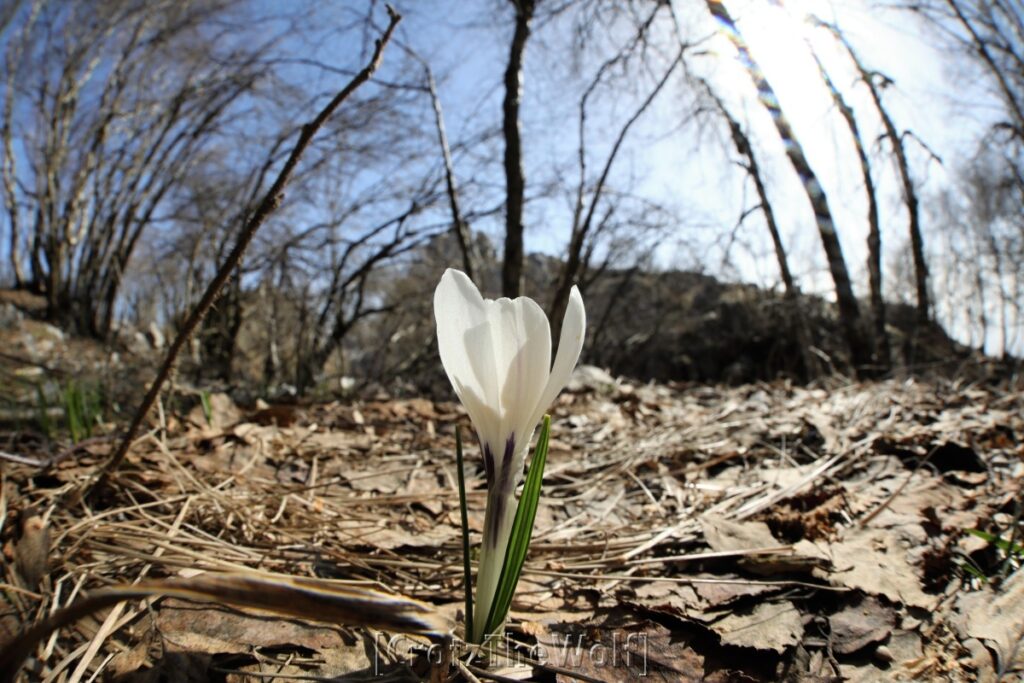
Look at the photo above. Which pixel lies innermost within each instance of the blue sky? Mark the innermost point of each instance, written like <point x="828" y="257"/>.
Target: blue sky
<point x="934" y="95"/>
<point x="685" y="165"/>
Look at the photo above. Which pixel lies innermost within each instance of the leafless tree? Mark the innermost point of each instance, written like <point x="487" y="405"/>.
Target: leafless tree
<point x="348" y="299"/>
<point x="883" y="353"/>
<point x="849" y="311"/>
<point x="792" y="293"/>
<point x="590" y="194"/>
<point x="875" y="82"/>
<point x="991" y="34"/>
<point x="460" y="228"/>
<point x="985" y="231"/>
<point x="114" y="104"/>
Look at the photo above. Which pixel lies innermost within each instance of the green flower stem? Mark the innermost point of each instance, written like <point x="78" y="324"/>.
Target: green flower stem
<point x="502" y="557"/>
<point x="492" y="558"/>
<point x="522" y="533"/>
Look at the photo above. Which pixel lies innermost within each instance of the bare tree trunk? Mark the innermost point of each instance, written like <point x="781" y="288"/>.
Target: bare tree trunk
<point x="811" y="364"/>
<point x="913" y="210"/>
<point x="512" y="268"/>
<point x="8" y="169"/>
<point x="270" y="295"/>
<point x="909" y="191"/>
<point x="883" y="351"/>
<point x="1004" y="297"/>
<point x="849" y="311"/>
<point x="221" y="328"/>
<point x="979" y="284"/>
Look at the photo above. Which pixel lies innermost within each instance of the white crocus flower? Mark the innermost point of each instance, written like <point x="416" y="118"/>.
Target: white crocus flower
<point x="497" y="354"/>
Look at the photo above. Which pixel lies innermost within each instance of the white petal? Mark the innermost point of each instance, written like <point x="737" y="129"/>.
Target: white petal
<point x="466" y="346"/>
<point x="527" y="328"/>
<point x="570" y="344"/>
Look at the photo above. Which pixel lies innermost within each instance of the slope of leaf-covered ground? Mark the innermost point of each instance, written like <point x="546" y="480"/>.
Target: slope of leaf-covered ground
<point x="759" y="533"/>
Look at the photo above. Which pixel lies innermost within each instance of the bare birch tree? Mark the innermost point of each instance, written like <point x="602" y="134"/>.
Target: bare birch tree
<point x="875" y="83"/>
<point x="883" y="353"/>
<point x="849" y="311"/>
<point x="792" y="293"/>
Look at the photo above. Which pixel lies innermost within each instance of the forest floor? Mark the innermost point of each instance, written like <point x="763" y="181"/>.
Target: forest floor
<point x="756" y="533"/>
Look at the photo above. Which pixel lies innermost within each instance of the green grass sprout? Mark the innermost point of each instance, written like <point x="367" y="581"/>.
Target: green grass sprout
<point x="467" y="575"/>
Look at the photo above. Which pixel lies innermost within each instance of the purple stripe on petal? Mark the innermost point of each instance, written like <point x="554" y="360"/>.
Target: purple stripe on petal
<point x="503" y="484"/>
<point x="499" y="490"/>
<point x="488" y="465"/>
<point x="510" y="449"/>
<point x="496" y="509"/>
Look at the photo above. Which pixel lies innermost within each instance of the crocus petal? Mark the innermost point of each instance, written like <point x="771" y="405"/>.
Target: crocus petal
<point x="527" y="362"/>
<point x="465" y="342"/>
<point x="570" y="344"/>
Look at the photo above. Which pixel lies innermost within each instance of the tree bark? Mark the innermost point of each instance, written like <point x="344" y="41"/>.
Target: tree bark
<point x="913" y="208"/>
<point x="515" y="183"/>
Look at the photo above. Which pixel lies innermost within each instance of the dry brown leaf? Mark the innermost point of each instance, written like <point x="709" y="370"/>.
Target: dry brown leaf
<point x="856" y="626"/>
<point x="768" y="626"/>
<point x="371" y="480"/>
<point x="534" y="596"/>
<point x="717" y="595"/>
<point x="725" y="535"/>
<point x="876" y="561"/>
<point x="998" y="619"/>
<point x="337" y="442"/>
<point x="390" y="535"/>
<point x="620" y="652"/>
<point x="906" y="647"/>
<point x="670" y="598"/>
<point x="201" y="627"/>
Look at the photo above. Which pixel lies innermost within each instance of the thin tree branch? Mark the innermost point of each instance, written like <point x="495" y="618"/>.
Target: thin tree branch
<point x="459" y="226"/>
